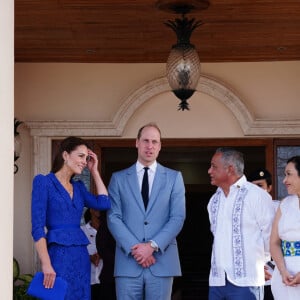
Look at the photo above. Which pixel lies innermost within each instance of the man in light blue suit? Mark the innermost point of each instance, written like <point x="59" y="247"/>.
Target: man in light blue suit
<point x="147" y="256"/>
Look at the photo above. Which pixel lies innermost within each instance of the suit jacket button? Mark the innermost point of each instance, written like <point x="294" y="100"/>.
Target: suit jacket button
<point x="145" y="223"/>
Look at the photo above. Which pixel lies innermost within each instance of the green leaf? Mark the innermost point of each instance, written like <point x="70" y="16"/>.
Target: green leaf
<point x="16" y="270"/>
<point x="26" y="277"/>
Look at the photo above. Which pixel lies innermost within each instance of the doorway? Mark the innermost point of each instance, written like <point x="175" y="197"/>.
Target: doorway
<point x="191" y="157"/>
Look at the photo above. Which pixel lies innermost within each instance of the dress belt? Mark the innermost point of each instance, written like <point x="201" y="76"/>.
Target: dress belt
<point x="290" y="248"/>
<point x="63" y="226"/>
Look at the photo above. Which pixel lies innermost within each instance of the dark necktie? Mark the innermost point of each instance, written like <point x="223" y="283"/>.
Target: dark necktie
<point x="145" y="187"/>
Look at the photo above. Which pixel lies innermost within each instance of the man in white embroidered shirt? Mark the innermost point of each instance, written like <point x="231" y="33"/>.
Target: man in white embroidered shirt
<point x="241" y="216"/>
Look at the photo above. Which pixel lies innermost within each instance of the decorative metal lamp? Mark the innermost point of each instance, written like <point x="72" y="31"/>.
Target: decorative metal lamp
<point x="18" y="144"/>
<point x="183" y="64"/>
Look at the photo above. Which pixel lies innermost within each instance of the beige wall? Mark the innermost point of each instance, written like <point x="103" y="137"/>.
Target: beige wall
<point x="94" y="91"/>
<point x="266" y="95"/>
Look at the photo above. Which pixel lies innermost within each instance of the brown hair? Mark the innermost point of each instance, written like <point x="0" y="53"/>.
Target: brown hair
<point x="69" y="144"/>
<point x="151" y="124"/>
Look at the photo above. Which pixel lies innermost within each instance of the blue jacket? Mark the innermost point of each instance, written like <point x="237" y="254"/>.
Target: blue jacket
<point x="53" y="208"/>
<point x="130" y="224"/>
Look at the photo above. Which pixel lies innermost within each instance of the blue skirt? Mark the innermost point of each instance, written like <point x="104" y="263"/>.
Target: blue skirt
<point x="73" y="264"/>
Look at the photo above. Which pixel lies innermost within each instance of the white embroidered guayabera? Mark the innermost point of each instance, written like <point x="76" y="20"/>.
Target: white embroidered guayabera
<point x="237" y="237"/>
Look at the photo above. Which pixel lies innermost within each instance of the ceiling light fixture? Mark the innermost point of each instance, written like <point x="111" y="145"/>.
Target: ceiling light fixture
<point x="183" y="64"/>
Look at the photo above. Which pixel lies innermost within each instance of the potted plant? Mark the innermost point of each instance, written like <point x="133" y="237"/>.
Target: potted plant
<point x="20" y="283"/>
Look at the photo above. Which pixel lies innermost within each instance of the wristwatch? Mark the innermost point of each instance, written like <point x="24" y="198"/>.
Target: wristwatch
<point x="153" y="245"/>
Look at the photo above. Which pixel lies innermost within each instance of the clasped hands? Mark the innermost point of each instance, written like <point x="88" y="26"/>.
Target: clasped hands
<point x="290" y="280"/>
<point x="143" y="254"/>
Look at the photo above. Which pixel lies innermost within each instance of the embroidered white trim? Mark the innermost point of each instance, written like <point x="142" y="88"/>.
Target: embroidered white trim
<point x="237" y="236"/>
<point x="214" y="213"/>
<point x="238" y="259"/>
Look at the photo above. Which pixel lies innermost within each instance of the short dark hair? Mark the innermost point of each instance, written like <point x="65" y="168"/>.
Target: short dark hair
<point x="259" y="174"/>
<point x="69" y="144"/>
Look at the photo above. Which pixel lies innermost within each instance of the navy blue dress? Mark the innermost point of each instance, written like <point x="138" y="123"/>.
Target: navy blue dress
<point x="52" y="208"/>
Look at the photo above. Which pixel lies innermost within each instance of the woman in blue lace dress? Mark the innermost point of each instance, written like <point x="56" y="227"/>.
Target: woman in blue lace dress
<point x="57" y="205"/>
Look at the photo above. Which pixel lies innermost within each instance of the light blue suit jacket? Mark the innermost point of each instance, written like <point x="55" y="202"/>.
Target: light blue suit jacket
<point x="130" y="224"/>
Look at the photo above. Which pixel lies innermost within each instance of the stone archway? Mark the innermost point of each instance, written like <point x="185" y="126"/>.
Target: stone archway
<point x="206" y="85"/>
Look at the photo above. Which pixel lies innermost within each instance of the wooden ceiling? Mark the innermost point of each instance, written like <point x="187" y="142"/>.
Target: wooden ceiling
<point x="133" y="31"/>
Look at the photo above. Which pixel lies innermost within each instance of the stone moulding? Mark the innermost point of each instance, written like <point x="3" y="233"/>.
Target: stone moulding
<point x="208" y="85"/>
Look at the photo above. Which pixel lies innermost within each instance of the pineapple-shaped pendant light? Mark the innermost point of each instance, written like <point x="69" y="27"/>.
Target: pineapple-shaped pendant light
<point x="183" y="64"/>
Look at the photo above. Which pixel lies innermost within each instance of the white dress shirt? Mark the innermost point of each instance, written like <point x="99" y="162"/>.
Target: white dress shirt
<point x="151" y="172"/>
<point x="241" y="224"/>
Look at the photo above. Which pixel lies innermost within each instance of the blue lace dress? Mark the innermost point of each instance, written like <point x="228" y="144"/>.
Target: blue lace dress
<point x="53" y="209"/>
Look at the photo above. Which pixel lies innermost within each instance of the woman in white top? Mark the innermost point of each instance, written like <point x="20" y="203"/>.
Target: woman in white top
<point x="285" y="237"/>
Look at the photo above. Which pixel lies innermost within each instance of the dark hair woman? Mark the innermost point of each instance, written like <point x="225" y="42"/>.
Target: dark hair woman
<point x="285" y="237"/>
<point x="57" y="205"/>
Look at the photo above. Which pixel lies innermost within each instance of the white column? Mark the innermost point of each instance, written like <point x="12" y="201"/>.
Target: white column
<point x="7" y="145"/>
